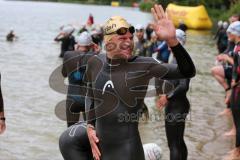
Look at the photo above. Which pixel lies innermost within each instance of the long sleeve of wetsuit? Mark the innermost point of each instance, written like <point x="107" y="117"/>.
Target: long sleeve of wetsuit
<point x="89" y="99"/>
<point x="57" y="39"/>
<point x="89" y="105"/>
<point x="1" y="98"/>
<point x="64" y="71"/>
<point x="180" y="89"/>
<point x="184" y="68"/>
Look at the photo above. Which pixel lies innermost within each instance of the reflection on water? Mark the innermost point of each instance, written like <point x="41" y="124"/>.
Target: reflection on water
<point x="33" y="129"/>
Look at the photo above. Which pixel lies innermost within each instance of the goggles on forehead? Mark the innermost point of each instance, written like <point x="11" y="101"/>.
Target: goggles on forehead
<point x="123" y="31"/>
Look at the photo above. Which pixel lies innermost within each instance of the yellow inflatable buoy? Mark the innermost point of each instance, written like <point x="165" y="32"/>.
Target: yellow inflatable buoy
<point x="192" y="17"/>
<point x="114" y="3"/>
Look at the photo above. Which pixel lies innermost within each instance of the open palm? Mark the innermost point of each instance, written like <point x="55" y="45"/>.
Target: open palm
<point x="163" y="26"/>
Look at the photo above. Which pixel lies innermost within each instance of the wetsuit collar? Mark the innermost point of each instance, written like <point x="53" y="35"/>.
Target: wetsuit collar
<point x="117" y="62"/>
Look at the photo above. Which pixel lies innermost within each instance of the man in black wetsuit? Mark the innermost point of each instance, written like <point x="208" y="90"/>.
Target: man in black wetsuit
<point x="74" y="66"/>
<point x="67" y="39"/>
<point x="2" y="118"/>
<point x="117" y="85"/>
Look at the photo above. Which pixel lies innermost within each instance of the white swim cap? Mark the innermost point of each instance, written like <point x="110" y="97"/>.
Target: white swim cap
<point x="234" y="28"/>
<point x="220" y="23"/>
<point x="139" y="27"/>
<point x="84" y="39"/>
<point x="225" y="25"/>
<point x="152" y="151"/>
<point x="68" y="29"/>
<point x="181" y="36"/>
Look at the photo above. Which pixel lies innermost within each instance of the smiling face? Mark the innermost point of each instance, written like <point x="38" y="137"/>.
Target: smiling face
<point x="120" y="46"/>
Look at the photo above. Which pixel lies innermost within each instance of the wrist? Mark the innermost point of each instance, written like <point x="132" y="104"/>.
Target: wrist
<point x="172" y="42"/>
<point x="90" y="126"/>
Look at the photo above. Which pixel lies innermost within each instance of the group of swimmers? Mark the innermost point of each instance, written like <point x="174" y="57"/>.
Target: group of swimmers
<point x="228" y="75"/>
<point x="104" y="86"/>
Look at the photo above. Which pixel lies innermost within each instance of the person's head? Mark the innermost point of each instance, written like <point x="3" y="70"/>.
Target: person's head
<point x="234" y="18"/>
<point x="182" y="26"/>
<point x="68" y="30"/>
<point x="152" y="151"/>
<point x="233" y="32"/>
<point x="11" y="30"/>
<point x="220" y="24"/>
<point x="149" y="31"/>
<point x="90" y="20"/>
<point x="118" y="38"/>
<point x="225" y="25"/>
<point x="139" y="31"/>
<point x="84" y="42"/>
<point x="153" y="37"/>
<point x="181" y="36"/>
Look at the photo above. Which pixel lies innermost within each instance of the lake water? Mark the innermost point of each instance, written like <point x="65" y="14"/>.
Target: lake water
<point x="32" y="127"/>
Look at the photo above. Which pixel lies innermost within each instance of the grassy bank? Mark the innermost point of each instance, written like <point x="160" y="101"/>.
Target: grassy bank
<point x="214" y="14"/>
<point x="90" y="2"/>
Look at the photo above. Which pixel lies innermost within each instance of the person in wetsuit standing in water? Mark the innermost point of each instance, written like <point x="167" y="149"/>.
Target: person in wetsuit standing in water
<point x="176" y="111"/>
<point x="117" y="85"/>
<point x="67" y="40"/>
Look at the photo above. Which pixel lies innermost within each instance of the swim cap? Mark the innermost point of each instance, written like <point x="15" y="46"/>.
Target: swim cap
<point x="181" y="36"/>
<point x="112" y="25"/>
<point x="68" y="29"/>
<point x="115" y="23"/>
<point x="139" y="27"/>
<point x="84" y="39"/>
<point x="234" y="28"/>
<point x="152" y="151"/>
<point x="220" y="23"/>
<point x="225" y="25"/>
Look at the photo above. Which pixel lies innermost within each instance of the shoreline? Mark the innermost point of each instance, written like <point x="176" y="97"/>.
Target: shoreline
<point x="78" y="2"/>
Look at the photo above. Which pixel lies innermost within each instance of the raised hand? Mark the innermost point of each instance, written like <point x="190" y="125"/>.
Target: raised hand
<point x="163" y="26"/>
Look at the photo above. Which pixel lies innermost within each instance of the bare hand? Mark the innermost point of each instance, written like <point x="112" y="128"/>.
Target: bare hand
<point x="162" y="102"/>
<point x="163" y="27"/>
<point x="93" y="142"/>
<point x="96" y="48"/>
<point x="2" y="126"/>
<point x="222" y="57"/>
